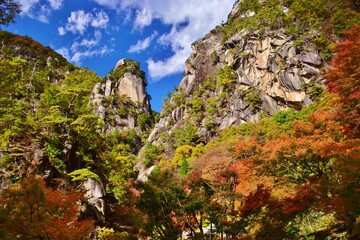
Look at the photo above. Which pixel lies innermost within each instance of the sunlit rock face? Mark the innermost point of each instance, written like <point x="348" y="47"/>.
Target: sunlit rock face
<point x="120" y="99"/>
<point x="95" y="194"/>
<point x="268" y="64"/>
<point x="132" y="86"/>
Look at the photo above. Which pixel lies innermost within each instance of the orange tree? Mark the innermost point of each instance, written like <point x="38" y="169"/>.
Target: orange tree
<point x="316" y="170"/>
<point x="30" y="210"/>
<point x="344" y="78"/>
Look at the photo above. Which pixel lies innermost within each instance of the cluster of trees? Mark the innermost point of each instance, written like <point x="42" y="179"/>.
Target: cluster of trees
<point x="292" y="176"/>
<point x="46" y="123"/>
<point x="30" y="210"/>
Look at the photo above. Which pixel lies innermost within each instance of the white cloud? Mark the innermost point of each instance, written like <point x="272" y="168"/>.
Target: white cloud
<point x="27" y="5"/>
<point x="87" y="43"/>
<point x="200" y="16"/>
<point x="79" y="21"/>
<point x="56" y="4"/>
<point x="100" y="20"/>
<point x="64" y="52"/>
<point x="61" y="31"/>
<point x="85" y="48"/>
<point x="79" y="56"/>
<point x="142" y="44"/>
<point x="108" y="3"/>
<point x="43" y="13"/>
<point x="143" y="18"/>
<point x="174" y="64"/>
<point x="40" y="10"/>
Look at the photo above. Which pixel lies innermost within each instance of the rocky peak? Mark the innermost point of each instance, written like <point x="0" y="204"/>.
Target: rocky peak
<point x="132" y="84"/>
<point x="122" y="97"/>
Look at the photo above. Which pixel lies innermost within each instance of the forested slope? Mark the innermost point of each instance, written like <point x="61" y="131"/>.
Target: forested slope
<point x="259" y="141"/>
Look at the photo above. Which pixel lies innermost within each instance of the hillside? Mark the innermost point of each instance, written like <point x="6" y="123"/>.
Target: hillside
<point x="259" y="141"/>
<point x="67" y="124"/>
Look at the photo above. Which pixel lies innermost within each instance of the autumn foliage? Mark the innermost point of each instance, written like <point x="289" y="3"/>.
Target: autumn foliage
<point x="30" y="210"/>
<point x="344" y="77"/>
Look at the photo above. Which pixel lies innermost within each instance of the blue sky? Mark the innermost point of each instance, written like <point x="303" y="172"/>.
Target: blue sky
<point x="97" y="33"/>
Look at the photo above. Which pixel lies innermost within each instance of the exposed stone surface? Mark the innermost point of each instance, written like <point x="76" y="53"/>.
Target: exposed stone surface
<point x="311" y="57"/>
<point x="132" y="86"/>
<point x="95" y="192"/>
<point x="104" y="101"/>
<point x="266" y="63"/>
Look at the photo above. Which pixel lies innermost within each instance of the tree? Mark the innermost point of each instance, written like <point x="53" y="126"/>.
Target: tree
<point x="344" y="78"/>
<point x="8" y="10"/>
<point x="160" y="201"/>
<point x="30" y="210"/>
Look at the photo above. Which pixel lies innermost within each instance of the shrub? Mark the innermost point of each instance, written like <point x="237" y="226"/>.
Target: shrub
<point x="83" y="174"/>
<point x="227" y="76"/>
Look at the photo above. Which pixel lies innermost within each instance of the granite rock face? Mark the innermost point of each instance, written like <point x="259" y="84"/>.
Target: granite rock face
<point x="267" y="65"/>
<point x="95" y="193"/>
<point x="121" y="98"/>
<point x="132" y="86"/>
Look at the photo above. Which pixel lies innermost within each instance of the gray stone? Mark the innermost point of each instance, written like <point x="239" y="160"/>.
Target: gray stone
<point x="310" y="70"/>
<point x="311" y="58"/>
<point x="290" y="80"/>
<point x="239" y="105"/>
<point x="107" y="88"/>
<point x="177" y="114"/>
<point x="144" y="174"/>
<point x="278" y="41"/>
<point x="121" y="62"/>
<point x="307" y="100"/>
<point x="227" y="122"/>
<point x="231" y="42"/>
<point x="293" y="61"/>
<point x="285" y="50"/>
<point x="272" y="64"/>
<point x="96" y="99"/>
<point x="242" y="78"/>
<point x="95" y="193"/>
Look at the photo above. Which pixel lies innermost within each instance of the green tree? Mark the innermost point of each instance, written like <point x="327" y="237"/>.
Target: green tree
<point x="161" y="199"/>
<point x="8" y="11"/>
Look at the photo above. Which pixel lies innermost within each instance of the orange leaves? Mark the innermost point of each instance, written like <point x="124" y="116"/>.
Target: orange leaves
<point x="255" y="201"/>
<point x="34" y="210"/>
<point x="213" y="161"/>
<point x="246" y="149"/>
<point x="304" y="196"/>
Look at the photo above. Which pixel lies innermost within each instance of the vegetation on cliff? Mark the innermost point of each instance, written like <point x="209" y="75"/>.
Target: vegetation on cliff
<point x="292" y="175"/>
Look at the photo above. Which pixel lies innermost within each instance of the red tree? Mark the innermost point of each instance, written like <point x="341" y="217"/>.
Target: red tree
<point x="344" y="77"/>
<point x="32" y="211"/>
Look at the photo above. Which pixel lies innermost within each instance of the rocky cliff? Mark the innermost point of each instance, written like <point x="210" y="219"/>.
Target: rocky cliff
<point x="240" y="78"/>
<point x="122" y="98"/>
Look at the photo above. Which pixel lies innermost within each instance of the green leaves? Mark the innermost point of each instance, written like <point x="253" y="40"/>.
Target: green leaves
<point x="83" y="174"/>
<point x="227" y="76"/>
